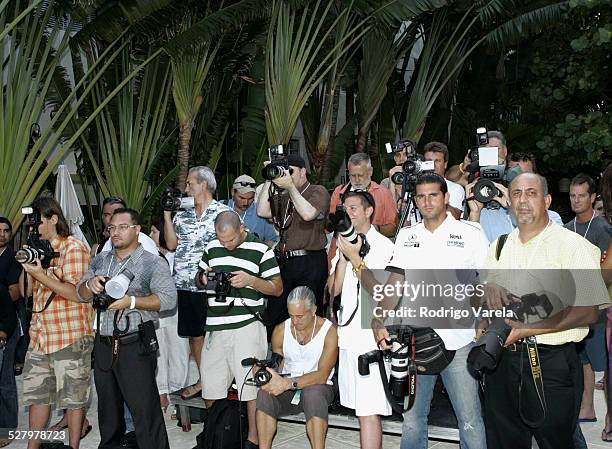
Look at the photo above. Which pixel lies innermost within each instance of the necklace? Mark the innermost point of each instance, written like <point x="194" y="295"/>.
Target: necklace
<point x="588" y="226"/>
<point x="303" y="341"/>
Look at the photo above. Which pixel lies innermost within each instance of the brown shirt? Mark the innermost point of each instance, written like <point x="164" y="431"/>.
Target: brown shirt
<point x="308" y="235"/>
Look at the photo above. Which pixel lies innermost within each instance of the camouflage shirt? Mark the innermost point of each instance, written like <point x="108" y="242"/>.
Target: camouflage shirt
<point x="193" y="235"/>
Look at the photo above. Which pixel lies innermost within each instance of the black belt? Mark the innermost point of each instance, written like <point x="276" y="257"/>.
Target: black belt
<point x="124" y="339"/>
<point x="295" y="253"/>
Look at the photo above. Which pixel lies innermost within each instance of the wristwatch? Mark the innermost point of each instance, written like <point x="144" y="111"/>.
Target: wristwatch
<point x="294" y="385"/>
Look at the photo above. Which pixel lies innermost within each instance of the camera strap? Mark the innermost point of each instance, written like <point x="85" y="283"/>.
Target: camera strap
<point x="536" y="374"/>
<point x="353" y="313"/>
<point x="47" y="304"/>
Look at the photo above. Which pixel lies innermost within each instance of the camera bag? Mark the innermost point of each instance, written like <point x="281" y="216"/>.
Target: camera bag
<point x="226" y="426"/>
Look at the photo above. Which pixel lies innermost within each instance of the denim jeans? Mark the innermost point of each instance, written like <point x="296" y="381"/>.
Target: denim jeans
<point x="462" y="389"/>
<point x="129" y="419"/>
<point x="8" y="387"/>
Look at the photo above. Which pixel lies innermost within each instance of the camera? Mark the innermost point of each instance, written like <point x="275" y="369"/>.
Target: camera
<point x="401" y="364"/>
<point x="262" y="376"/>
<point x="37" y="248"/>
<point x="414" y="165"/>
<point x="114" y="288"/>
<point x="278" y="163"/>
<point x="219" y="282"/>
<point x="102" y="300"/>
<point x="340" y="222"/>
<point x="486" y="353"/>
<point x="486" y="168"/>
<point x="172" y="200"/>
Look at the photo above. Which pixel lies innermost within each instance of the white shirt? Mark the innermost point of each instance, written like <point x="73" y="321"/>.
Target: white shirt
<point x="355" y="335"/>
<point x="457" y="195"/>
<point x="455" y="244"/>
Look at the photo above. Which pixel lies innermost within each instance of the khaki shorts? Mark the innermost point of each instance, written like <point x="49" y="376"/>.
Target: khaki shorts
<point x="221" y="356"/>
<point x="62" y="377"/>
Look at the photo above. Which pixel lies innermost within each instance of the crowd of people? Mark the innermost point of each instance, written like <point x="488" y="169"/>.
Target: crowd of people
<point x="225" y="281"/>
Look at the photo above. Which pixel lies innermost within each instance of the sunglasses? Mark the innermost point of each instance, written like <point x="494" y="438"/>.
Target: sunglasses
<point x="246" y="184"/>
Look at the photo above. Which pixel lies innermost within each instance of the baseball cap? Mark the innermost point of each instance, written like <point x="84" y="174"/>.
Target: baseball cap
<point x="296" y="161"/>
<point x="244" y="184"/>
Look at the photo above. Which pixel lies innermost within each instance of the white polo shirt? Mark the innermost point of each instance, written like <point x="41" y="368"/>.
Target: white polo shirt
<point x="354" y="336"/>
<point x="455" y="244"/>
<point x="456" y="193"/>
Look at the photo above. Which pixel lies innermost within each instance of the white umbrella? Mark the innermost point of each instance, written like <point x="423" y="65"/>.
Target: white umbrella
<point x="67" y="197"/>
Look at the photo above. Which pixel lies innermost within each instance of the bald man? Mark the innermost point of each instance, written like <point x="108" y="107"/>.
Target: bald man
<point x="233" y="326"/>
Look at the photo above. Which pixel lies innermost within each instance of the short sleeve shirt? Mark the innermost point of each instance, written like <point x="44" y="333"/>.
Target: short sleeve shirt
<point x="193" y="235"/>
<point x="301" y="234"/>
<point x="10" y="269"/>
<point x="496" y="222"/>
<point x="64" y="322"/>
<point x="455" y="244"/>
<point x="554" y="248"/>
<point x="597" y="231"/>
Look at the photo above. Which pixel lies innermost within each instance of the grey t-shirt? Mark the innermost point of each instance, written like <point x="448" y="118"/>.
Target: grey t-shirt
<point x="599" y="231"/>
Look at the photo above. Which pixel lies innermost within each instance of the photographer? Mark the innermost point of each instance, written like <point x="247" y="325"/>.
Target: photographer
<point x="300" y="210"/>
<point x="8" y="395"/>
<point x="187" y="235"/>
<point x="125" y="346"/>
<point x="309" y="345"/>
<point x="235" y="306"/>
<point x="242" y="202"/>
<point x="426" y="245"/>
<point x="509" y="391"/>
<point x="399" y="157"/>
<point x="364" y="394"/>
<point x="438" y="153"/>
<point x="495" y="216"/>
<point x="61" y="327"/>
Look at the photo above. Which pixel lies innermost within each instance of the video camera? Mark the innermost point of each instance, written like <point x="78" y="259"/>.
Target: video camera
<point x="341" y="223"/>
<point x="278" y="163"/>
<point x="172" y="200"/>
<point x="414" y="165"/>
<point x="37" y="248"/>
<point x="486" y="168"/>
<point x="487" y="350"/>
<point x="114" y="288"/>
<point x="262" y="376"/>
<point x="219" y="282"/>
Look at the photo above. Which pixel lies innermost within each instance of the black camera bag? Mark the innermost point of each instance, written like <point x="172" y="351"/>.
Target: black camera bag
<point x="430" y="354"/>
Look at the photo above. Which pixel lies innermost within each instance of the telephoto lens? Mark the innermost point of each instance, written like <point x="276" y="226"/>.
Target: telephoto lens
<point x="486" y="352"/>
<point x="27" y="255"/>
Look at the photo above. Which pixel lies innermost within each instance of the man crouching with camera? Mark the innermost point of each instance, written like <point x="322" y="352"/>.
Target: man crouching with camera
<point x="365" y="394"/>
<point x="236" y="270"/>
<point x="309" y="345"/>
<point x="128" y="286"/>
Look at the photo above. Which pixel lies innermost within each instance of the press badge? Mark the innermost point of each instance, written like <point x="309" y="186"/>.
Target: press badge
<point x="296" y="397"/>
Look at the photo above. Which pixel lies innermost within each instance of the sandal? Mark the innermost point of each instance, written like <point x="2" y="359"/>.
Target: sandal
<point x="58" y="426"/>
<point x="191" y="391"/>
<point x="606" y="436"/>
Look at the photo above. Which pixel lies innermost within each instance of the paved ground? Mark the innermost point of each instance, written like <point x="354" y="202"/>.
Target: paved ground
<point x="293" y="436"/>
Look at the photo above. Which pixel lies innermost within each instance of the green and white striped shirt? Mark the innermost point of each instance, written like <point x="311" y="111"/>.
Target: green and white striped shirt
<point x="254" y="257"/>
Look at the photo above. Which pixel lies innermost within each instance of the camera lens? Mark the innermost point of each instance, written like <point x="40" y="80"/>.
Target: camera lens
<point x="485" y="191"/>
<point x="397" y="178"/>
<point x="26" y="255"/>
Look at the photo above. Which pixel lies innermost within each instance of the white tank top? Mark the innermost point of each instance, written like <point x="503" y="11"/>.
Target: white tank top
<point x="304" y="359"/>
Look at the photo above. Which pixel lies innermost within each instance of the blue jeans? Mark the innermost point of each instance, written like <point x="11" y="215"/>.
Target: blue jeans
<point x="462" y="389"/>
<point x="129" y="419"/>
<point x="9" y="407"/>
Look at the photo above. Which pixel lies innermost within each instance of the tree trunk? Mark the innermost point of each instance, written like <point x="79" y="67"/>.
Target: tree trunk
<point x="183" y="155"/>
<point x="326" y="175"/>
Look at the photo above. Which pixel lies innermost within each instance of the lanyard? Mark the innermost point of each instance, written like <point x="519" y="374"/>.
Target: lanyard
<point x="588" y="226"/>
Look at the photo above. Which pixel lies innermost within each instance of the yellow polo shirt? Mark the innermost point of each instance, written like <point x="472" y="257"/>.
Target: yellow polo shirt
<point x="555" y="248"/>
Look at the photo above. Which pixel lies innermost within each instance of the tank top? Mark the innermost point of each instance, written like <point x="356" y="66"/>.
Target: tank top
<point x="304" y="359"/>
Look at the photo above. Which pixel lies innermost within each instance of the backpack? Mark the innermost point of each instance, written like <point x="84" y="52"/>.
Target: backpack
<point x="225" y="427"/>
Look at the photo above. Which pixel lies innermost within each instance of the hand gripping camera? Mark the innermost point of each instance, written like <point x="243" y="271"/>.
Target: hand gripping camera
<point x="262" y="376"/>
<point x="219" y="282"/>
<point x="114" y="288"/>
<point x="278" y="163"/>
<point x="37" y="248"/>
<point x="173" y="200"/>
<point x="487" y="351"/>
<point x="340" y="222"/>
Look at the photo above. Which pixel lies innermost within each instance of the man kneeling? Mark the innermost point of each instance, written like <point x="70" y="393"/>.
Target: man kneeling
<point x="309" y="345"/>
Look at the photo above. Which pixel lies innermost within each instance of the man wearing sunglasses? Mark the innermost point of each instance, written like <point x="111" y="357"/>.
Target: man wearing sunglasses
<point x="242" y="201"/>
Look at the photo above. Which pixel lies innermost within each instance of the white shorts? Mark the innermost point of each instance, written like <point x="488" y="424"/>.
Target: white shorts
<point x="221" y="356"/>
<point x="364" y="394"/>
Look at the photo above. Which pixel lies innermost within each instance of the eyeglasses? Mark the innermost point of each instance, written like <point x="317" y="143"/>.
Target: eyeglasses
<point x="122" y="228"/>
<point x="246" y="184"/>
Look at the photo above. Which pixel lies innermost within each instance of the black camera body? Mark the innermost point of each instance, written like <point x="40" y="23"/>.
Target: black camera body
<point x="173" y="200"/>
<point x="486" y="353"/>
<point x="219" y="282"/>
<point x="37" y="248"/>
<point x="485" y="169"/>
<point x="262" y="376"/>
<point x="278" y="163"/>
<point x="341" y="223"/>
<point x="102" y="300"/>
<point x="411" y="169"/>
